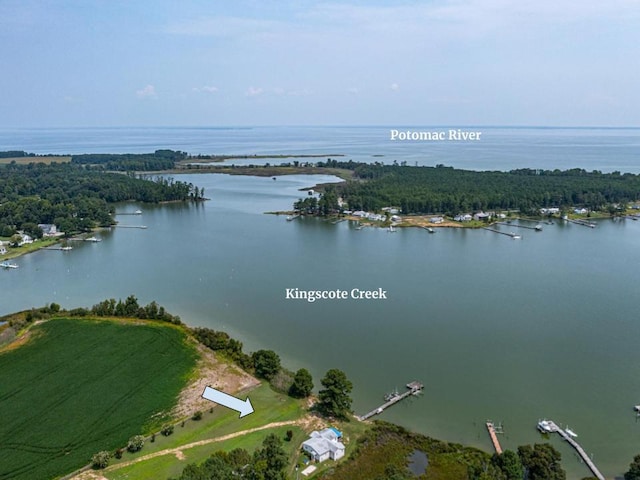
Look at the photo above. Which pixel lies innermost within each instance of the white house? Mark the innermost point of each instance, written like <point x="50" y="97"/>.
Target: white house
<point x="25" y="239"/>
<point x="550" y="211"/>
<point x="324" y="444"/>
<point x="436" y="219"/>
<point x="48" y="229"/>
<point x="466" y="217"/>
<point x="3" y="249"/>
<point x="580" y="211"/>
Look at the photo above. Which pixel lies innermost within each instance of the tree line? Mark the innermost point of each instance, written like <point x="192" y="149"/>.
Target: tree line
<point x="441" y="189"/>
<point x="75" y="198"/>
<point x="158" y="160"/>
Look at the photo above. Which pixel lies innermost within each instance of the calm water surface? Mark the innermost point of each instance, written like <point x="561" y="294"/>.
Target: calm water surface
<point x="500" y="329"/>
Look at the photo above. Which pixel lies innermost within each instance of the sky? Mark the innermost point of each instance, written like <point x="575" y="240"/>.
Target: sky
<point x="105" y="63"/>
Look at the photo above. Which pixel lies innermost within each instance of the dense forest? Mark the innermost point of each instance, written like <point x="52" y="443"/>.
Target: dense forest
<point x="75" y="198"/>
<point x="451" y="191"/>
<point x="158" y="160"/>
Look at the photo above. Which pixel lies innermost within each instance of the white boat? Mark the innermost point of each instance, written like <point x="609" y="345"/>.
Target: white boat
<point x="431" y="230"/>
<point x="92" y="239"/>
<point x="66" y="249"/>
<point x="515" y="236"/>
<point x="138" y="212"/>
<point x="571" y="432"/>
<point x="8" y="265"/>
<point x="545" y="426"/>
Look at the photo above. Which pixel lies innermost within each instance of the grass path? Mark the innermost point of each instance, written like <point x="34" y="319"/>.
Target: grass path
<point x="178" y="450"/>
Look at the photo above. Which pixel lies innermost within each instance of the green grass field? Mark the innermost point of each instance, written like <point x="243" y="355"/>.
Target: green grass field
<point x="81" y="386"/>
<point x="270" y="407"/>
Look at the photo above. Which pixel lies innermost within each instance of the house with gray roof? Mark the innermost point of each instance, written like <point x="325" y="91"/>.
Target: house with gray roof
<point x="325" y="444"/>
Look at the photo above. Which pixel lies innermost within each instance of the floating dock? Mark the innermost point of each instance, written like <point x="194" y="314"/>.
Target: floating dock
<point x="494" y="438"/>
<point x="414" y="388"/>
<point x="547" y="426"/>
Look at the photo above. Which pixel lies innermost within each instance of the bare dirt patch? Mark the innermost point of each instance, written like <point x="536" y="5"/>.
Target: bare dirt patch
<point x="213" y="372"/>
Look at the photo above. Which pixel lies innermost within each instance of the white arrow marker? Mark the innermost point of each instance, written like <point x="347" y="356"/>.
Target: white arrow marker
<point x="229" y="401"/>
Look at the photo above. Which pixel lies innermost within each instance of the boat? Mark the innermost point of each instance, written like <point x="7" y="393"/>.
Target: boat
<point x="66" y="248"/>
<point x="571" y="432"/>
<point x="289" y="218"/>
<point x="391" y="395"/>
<point x="92" y="239"/>
<point x="545" y="426"/>
<point x="391" y="229"/>
<point x="8" y="265"/>
<point x="515" y="236"/>
<point x="431" y="230"/>
<point x="138" y="212"/>
<point x="538" y="228"/>
<point x="637" y="409"/>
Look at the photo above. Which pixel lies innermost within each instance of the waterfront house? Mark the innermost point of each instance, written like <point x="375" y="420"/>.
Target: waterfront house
<point x="550" y="211"/>
<point x="24" y="239"/>
<point x="481" y="216"/>
<point x="3" y="249"/>
<point x="325" y="444"/>
<point x="466" y="217"/>
<point x="396" y="218"/>
<point x="48" y="229"/>
<point x="580" y="211"/>
<point x="436" y="219"/>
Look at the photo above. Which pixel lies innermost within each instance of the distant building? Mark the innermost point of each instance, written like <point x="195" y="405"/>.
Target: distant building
<point x="48" y="229"/>
<point x="465" y="217"/>
<point x="3" y="249"/>
<point x="436" y="220"/>
<point x="580" y="211"/>
<point x="24" y="239"/>
<point x="325" y="444"/>
<point x="481" y="216"/>
<point x="396" y="218"/>
<point x="550" y="211"/>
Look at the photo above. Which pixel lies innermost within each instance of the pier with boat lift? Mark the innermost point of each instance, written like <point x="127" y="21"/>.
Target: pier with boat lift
<point x="513" y="235"/>
<point x="414" y="388"/>
<point x="537" y="228"/>
<point x="547" y="426"/>
<point x="584" y="223"/>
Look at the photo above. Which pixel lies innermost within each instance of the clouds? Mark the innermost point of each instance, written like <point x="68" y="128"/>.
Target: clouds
<point x="361" y="61"/>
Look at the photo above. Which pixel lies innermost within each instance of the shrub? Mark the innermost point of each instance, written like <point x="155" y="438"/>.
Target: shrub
<point x="101" y="459"/>
<point x="167" y="430"/>
<point x="135" y="443"/>
<point x="197" y="416"/>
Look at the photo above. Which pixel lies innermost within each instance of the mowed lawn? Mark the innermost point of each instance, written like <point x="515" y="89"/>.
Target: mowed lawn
<point x="81" y="386"/>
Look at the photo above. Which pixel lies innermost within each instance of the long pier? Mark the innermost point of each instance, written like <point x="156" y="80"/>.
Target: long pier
<point x="414" y="388"/>
<point x="510" y="234"/>
<point x="130" y="226"/>
<point x="551" y="427"/>
<point x="537" y="228"/>
<point x="494" y="438"/>
<point x="584" y="223"/>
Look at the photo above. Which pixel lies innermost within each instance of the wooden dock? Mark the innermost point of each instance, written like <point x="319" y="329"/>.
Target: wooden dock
<point x="537" y="228"/>
<point x="130" y="226"/>
<point x="414" y="388"/>
<point x="584" y="223"/>
<point x="552" y="427"/>
<point x="494" y="438"/>
<point x="510" y="234"/>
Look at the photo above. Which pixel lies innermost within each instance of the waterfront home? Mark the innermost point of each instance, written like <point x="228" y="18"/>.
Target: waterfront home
<point x="48" y="229"/>
<point x="580" y="211"/>
<point x="436" y="220"/>
<point x="360" y="213"/>
<point x="481" y="216"/>
<point x="325" y="444"/>
<point x="24" y="239"/>
<point x="3" y="249"/>
<point x="549" y="211"/>
<point x="396" y="218"/>
<point x="466" y="217"/>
